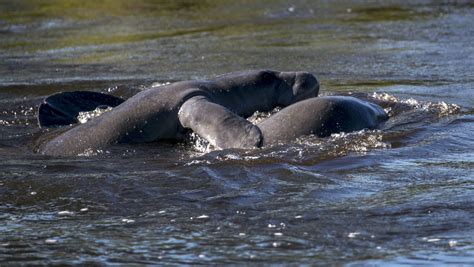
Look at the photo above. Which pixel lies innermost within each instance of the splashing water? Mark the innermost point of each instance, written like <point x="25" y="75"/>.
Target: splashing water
<point x="314" y="148"/>
<point x="394" y="105"/>
<point x="359" y="141"/>
<point x="310" y="148"/>
<point x="198" y="143"/>
<point x="259" y="116"/>
<point x="86" y="116"/>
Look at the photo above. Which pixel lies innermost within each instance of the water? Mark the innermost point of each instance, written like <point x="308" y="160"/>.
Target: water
<point x="400" y="195"/>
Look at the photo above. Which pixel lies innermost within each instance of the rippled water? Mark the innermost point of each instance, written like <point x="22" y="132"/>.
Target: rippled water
<point x="399" y="195"/>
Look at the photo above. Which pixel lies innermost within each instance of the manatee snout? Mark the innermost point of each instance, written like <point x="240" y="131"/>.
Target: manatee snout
<point x="305" y="86"/>
<point x="299" y="85"/>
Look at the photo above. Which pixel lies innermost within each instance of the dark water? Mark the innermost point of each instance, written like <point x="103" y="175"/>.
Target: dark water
<point x="401" y="195"/>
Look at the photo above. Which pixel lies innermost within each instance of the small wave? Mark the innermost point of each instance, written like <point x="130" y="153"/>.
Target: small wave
<point x="336" y="145"/>
<point x="394" y="105"/>
<point x="305" y="149"/>
<point x="360" y="141"/>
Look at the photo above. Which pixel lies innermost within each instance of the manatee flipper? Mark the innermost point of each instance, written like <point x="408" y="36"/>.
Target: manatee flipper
<point x="217" y="124"/>
<point x="63" y="108"/>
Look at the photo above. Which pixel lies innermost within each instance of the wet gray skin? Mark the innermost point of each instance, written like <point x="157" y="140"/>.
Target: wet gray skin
<point x="210" y="108"/>
<point x="322" y="117"/>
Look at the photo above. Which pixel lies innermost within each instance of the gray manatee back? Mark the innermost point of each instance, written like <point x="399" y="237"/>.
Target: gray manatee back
<point x="321" y="116"/>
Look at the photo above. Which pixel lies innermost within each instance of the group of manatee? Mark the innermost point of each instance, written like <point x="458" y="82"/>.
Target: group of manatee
<point x="214" y="109"/>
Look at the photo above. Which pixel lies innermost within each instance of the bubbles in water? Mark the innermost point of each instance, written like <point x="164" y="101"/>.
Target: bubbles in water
<point x="86" y="116"/>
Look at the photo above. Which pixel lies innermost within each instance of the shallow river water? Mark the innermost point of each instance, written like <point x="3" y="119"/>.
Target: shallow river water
<point x="400" y="195"/>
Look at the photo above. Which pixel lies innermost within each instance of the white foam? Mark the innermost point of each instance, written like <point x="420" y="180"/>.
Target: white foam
<point x="199" y="144"/>
<point x="159" y="84"/>
<point x="86" y="116"/>
<point x="259" y="116"/>
<point x="440" y="108"/>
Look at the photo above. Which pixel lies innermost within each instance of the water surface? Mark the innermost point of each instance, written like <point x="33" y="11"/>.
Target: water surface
<point x="400" y="195"/>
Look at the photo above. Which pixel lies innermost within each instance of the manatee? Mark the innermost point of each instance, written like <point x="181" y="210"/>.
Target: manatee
<point x="321" y="116"/>
<point x="215" y="109"/>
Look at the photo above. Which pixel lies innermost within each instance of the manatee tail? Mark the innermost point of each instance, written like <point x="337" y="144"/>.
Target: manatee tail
<point x="63" y="108"/>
